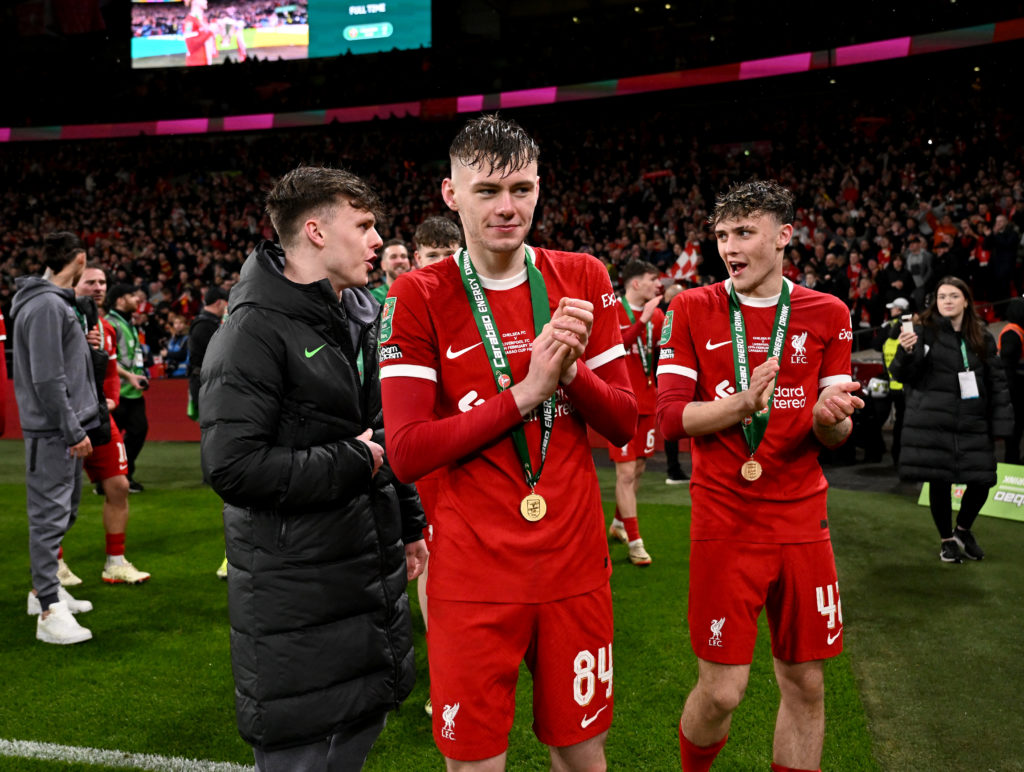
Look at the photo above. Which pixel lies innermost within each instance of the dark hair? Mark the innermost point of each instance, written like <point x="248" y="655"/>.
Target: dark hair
<point x="117" y="292"/>
<point x="502" y="145"/>
<point x="316" y="189"/>
<point x="635" y="268"/>
<point x="972" y="327"/>
<point x="393" y="243"/>
<point x="756" y="197"/>
<point x="60" y="248"/>
<point x="213" y="294"/>
<point x="437" y="232"/>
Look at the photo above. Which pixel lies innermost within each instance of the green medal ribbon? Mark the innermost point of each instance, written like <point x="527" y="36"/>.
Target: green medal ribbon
<point x="491" y="337"/>
<point x="754" y="426"/>
<point x="646" y="351"/>
<point x="963" y="350"/>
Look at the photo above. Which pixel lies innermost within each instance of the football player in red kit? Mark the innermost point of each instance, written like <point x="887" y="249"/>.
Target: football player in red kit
<point x="756" y="372"/>
<point x="493" y="363"/>
<point x="108" y="464"/>
<point x="640" y="322"/>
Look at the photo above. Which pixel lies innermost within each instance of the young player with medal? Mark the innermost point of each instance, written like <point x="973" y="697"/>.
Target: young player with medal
<point x="640" y="322"/>
<point x="755" y="371"/>
<point x="493" y="364"/>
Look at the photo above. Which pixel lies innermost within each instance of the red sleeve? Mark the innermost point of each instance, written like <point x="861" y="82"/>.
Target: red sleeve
<point x="112" y="382"/>
<point x="677" y="369"/>
<point x="418" y="442"/>
<point x="631" y="333"/>
<point x="605" y="402"/>
<point x="675" y="392"/>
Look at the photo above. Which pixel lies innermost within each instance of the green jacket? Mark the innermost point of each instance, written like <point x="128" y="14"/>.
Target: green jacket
<point x="129" y="352"/>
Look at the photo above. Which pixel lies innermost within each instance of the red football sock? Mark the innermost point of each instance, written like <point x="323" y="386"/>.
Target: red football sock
<point x="617" y="515"/>
<point x="780" y="768"/>
<point x="632" y="528"/>
<point x="115" y="544"/>
<point x="696" y="758"/>
<point x="60" y="552"/>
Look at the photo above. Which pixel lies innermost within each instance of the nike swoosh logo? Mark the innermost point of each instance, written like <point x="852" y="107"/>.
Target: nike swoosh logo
<point x="625" y="326"/>
<point x="456" y="354"/>
<point x="312" y="353"/>
<point x="712" y="346"/>
<point x="585" y="722"/>
<point x="832" y="638"/>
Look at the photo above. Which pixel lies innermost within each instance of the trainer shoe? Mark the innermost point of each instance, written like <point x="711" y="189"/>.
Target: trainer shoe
<point x="638" y="555"/>
<point x="123" y="573"/>
<point x="676" y="477"/>
<point x="428" y="708"/>
<point x="950" y="552"/>
<point x="618" y="533"/>
<point x="965" y="539"/>
<point x="64" y="575"/>
<point x="135" y="487"/>
<point x="60" y="626"/>
<point x="222" y="572"/>
<point x="98" y="490"/>
<point x="74" y="606"/>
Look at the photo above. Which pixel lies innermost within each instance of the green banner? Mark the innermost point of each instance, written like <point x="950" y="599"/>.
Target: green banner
<point x="1005" y="498"/>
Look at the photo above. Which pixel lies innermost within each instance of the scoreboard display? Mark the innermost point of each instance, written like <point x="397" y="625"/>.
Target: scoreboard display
<point x="189" y="33"/>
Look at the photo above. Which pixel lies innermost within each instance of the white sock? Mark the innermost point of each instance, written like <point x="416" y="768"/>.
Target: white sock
<point x="636" y="542"/>
<point x="116" y="560"/>
<point x="616" y="523"/>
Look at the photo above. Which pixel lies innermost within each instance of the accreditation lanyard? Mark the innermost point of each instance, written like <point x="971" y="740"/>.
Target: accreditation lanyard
<point x="754" y="426"/>
<point x="491" y="337"/>
<point x="646" y="349"/>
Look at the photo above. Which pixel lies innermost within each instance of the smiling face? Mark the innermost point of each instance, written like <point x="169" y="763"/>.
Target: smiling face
<point x="394" y="260"/>
<point x="428" y="255"/>
<point x="752" y="247"/>
<point x="496" y="207"/>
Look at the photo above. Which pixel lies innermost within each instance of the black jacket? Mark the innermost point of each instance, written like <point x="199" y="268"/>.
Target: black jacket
<point x="320" y="628"/>
<point x="946" y="437"/>
<point x="200" y="332"/>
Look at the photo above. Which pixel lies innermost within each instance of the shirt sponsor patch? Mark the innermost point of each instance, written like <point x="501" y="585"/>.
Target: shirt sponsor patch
<point x="667" y="353"/>
<point x="388" y="353"/>
<point x="666" y="328"/>
<point x="387" y="314"/>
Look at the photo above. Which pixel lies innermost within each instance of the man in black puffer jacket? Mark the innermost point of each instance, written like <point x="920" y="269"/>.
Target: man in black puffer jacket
<point x="321" y="539"/>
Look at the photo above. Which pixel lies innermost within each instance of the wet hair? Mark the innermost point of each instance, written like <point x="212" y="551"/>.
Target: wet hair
<point x="315" y="190"/>
<point x="492" y="141"/>
<point x="757" y="197"/>
<point x="437" y="232"/>
<point x="972" y="327"/>
<point x="635" y="268"/>
<point x="60" y="248"/>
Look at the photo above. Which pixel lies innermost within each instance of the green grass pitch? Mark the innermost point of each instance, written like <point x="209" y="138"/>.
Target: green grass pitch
<point x="930" y="680"/>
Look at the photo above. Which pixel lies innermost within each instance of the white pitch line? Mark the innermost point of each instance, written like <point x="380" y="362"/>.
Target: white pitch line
<point x="70" y="753"/>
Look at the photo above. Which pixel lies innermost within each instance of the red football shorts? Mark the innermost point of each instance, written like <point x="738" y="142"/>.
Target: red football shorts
<point x="475" y="650"/>
<point x="730" y="582"/>
<point x="641" y="446"/>
<point x="107" y="460"/>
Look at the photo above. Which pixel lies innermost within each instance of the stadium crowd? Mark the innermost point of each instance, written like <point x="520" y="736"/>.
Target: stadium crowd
<point x="885" y="207"/>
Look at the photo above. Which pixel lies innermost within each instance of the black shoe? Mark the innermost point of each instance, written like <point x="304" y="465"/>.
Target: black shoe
<point x="950" y="552"/>
<point x="965" y="539"/>
<point x="99" y="489"/>
<point x="135" y="487"/>
<point x="676" y="477"/>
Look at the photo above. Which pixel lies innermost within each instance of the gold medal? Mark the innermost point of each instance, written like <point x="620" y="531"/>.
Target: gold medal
<point x="533" y="507"/>
<point x="750" y="470"/>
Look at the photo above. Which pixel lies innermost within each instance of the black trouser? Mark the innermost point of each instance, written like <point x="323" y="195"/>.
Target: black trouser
<point x="941" y="503"/>
<point x="130" y="416"/>
<point x="672" y="458"/>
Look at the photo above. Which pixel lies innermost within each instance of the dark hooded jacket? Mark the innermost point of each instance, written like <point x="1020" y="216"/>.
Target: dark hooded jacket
<point x="944" y="436"/>
<point x="320" y="627"/>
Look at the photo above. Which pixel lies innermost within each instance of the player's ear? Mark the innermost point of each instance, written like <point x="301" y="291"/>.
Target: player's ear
<point x="448" y="194"/>
<point x="311" y="229"/>
<point x="784" y="236"/>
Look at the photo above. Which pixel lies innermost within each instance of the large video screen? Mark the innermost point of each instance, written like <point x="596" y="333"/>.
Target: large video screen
<point x="200" y="33"/>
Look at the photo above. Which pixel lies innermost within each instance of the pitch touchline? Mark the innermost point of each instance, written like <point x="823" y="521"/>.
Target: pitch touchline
<point x="70" y="753"/>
